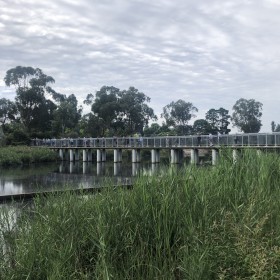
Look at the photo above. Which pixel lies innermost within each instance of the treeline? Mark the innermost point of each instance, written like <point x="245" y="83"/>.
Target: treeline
<point x="39" y="111"/>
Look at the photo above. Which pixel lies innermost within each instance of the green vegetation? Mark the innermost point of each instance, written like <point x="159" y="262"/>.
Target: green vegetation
<point x="218" y="222"/>
<point x="15" y="155"/>
<point x="38" y="111"/>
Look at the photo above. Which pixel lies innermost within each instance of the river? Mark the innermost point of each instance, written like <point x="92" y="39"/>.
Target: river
<point x="55" y="176"/>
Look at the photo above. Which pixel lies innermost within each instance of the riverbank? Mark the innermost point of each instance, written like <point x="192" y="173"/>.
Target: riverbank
<point x="219" y="222"/>
<point x="16" y="155"/>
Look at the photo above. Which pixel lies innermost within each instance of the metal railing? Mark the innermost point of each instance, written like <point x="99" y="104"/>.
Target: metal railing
<point x="250" y="139"/>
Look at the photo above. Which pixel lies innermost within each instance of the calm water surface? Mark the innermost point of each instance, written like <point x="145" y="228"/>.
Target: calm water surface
<point x="50" y="176"/>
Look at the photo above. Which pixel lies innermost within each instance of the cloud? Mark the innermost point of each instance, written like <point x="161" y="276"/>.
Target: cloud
<point x="209" y="53"/>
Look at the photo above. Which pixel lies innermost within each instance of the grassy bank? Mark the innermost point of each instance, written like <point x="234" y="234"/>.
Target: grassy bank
<point x="15" y="155"/>
<point x="197" y="223"/>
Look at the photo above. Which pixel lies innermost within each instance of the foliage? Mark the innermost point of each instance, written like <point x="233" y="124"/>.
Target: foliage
<point x="177" y="114"/>
<point x="31" y="85"/>
<point x="202" y="126"/>
<point x="25" y="155"/>
<point x="275" y="127"/>
<point x="197" y="223"/>
<point x="246" y="115"/>
<point x="218" y="120"/>
<point x="120" y="112"/>
<point x="67" y="114"/>
<point x="8" y="111"/>
<point x="134" y="111"/>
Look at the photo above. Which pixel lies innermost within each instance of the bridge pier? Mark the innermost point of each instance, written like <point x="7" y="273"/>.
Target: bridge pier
<point x="176" y="155"/>
<point x="100" y="168"/>
<point x="136" y="155"/>
<point x="215" y="156"/>
<point x="194" y="156"/>
<point x="71" y="155"/>
<point x="60" y="152"/>
<point x="85" y="155"/>
<point x="117" y="155"/>
<point x="101" y="155"/>
<point x="117" y="168"/>
<point x="135" y="168"/>
<point x="155" y="155"/>
<point x="71" y="166"/>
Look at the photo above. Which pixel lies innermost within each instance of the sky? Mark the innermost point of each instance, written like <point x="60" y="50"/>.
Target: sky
<point x="207" y="52"/>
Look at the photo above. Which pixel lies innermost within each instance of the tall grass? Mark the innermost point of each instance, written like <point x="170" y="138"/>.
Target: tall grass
<point x="219" y="222"/>
<point x="15" y="155"/>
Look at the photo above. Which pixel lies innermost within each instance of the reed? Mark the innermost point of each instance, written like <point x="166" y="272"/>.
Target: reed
<point x="15" y="155"/>
<point x="219" y="222"/>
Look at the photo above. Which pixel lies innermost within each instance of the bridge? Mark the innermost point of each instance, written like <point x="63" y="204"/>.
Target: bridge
<point x="69" y="148"/>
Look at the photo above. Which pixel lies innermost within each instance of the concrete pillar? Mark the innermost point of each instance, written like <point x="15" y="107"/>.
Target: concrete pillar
<point x="194" y="156"/>
<point x="71" y="155"/>
<point x="154" y="167"/>
<point x="103" y="155"/>
<point x="136" y="155"/>
<point x="84" y="167"/>
<point x="71" y="165"/>
<point x="117" y="168"/>
<point x="235" y="155"/>
<point x="135" y="168"/>
<point x="60" y="152"/>
<point x="98" y="155"/>
<point x="84" y="155"/>
<point x="100" y="168"/>
<point x="77" y="154"/>
<point x="155" y="154"/>
<point x="117" y="155"/>
<point x="215" y="156"/>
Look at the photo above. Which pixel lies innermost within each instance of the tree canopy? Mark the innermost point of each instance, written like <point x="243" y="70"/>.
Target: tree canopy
<point x="246" y="115"/>
<point x="39" y="111"/>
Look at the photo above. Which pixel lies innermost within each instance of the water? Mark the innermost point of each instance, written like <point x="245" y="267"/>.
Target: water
<point x="55" y="176"/>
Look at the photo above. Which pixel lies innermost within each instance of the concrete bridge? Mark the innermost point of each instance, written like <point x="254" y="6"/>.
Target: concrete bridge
<point x="69" y="149"/>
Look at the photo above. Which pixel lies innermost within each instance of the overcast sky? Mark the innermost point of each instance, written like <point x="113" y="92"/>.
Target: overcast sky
<point x="208" y="52"/>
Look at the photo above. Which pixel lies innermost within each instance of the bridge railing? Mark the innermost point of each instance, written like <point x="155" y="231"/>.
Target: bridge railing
<point x="250" y="139"/>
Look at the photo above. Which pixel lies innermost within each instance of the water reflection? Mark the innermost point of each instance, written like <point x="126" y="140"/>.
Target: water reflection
<point x="43" y="177"/>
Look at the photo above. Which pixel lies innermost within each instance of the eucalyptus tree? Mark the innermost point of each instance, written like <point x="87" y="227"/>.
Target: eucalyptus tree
<point x="178" y="114"/>
<point x="120" y="112"/>
<point x="31" y="85"/>
<point x="134" y="112"/>
<point x="218" y="120"/>
<point x="8" y="111"/>
<point x="67" y="114"/>
<point x="90" y="125"/>
<point x="105" y="106"/>
<point x="202" y="126"/>
<point x="275" y="127"/>
<point x="246" y="115"/>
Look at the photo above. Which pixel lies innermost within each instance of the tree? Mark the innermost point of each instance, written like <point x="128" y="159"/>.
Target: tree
<point x="178" y="114"/>
<point x="90" y="126"/>
<point x="31" y="85"/>
<point x="8" y="111"/>
<point x="134" y="111"/>
<point x="122" y="112"/>
<point x="218" y="120"/>
<point x="105" y="105"/>
<point x="275" y="127"/>
<point x="202" y="126"/>
<point x="246" y="115"/>
<point x="67" y="114"/>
